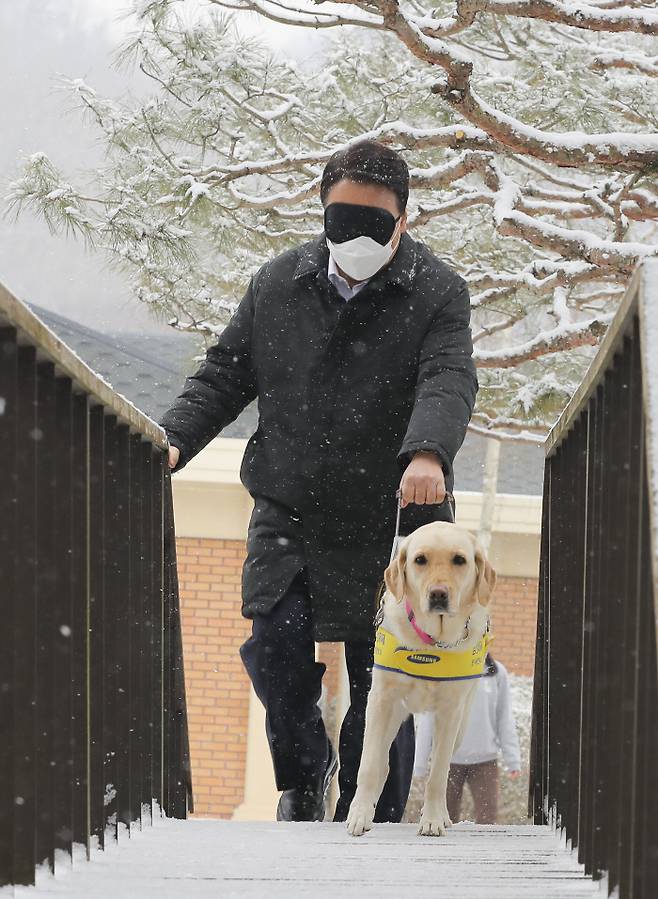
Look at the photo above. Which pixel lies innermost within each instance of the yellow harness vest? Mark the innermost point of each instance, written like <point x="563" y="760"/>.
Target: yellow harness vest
<point x="430" y="663"/>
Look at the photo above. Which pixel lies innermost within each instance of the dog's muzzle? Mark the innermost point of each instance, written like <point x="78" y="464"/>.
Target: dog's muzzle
<point x="438" y="599"/>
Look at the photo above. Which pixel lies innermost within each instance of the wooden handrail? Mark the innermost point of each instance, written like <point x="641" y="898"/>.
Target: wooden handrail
<point x="31" y="330"/>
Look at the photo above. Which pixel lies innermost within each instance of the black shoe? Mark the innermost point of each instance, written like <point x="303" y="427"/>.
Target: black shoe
<point x="307" y="803"/>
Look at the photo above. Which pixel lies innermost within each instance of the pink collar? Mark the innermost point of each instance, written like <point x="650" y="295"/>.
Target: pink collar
<point x="412" y="621"/>
<point x="426" y="638"/>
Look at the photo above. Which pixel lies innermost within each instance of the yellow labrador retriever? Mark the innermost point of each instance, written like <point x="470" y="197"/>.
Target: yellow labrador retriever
<point x="430" y="647"/>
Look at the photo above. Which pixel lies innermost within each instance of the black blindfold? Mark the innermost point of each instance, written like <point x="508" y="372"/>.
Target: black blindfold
<point x="345" y="221"/>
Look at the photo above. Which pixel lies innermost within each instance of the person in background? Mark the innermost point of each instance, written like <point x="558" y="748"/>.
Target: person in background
<point x="490" y="730"/>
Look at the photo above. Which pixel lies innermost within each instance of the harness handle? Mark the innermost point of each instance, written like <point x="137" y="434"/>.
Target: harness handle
<point x="449" y="498"/>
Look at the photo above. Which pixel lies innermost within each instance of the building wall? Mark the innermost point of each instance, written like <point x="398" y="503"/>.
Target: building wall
<point x="216" y="684"/>
<point x="218" y="687"/>
<point x="514" y="623"/>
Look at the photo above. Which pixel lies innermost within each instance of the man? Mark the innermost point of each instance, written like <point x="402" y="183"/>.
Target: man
<point x="358" y="346"/>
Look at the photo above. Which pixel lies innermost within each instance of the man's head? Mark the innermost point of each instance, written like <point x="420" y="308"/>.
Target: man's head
<point x="374" y="180"/>
<point x="372" y="170"/>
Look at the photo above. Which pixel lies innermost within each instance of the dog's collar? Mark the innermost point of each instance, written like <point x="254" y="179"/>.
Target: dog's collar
<point x="427" y="638"/>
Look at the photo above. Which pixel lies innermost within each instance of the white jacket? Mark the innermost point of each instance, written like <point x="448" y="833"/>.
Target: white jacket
<point x="490" y="728"/>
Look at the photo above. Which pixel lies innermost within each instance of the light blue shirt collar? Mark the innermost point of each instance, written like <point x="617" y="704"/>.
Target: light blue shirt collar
<point x="340" y="283"/>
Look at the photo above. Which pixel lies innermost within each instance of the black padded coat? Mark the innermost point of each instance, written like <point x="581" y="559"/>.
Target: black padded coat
<point x="347" y="391"/>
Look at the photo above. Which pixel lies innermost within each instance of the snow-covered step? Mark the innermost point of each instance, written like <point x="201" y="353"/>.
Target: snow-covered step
<point x="242" y="860"/>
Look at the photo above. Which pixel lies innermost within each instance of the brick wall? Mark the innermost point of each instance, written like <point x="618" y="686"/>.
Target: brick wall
<point x="514" y="623"/>
<point x="218" y="687"/>
<point x="216" y="683"/>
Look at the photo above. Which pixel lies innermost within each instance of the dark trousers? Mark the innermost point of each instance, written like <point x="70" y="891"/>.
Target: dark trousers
<point x="280" y="660"/>
<point x="482" y="778"/>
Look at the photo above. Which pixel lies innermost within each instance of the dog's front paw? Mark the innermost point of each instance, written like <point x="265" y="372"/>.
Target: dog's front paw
<point x="359" y="818"/>
<point x="433" y="822"/>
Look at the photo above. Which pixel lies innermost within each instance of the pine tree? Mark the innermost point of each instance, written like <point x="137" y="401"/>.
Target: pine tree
<point x="530" y="129"/>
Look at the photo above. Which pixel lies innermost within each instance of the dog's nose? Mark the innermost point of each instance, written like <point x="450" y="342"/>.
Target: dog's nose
<point x="438" y="598"/>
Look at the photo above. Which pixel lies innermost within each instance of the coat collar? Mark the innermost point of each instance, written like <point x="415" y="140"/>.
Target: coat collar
<point x="314" y="259"/>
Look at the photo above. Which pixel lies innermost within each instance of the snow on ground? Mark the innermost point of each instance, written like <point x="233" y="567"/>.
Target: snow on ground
<point x="236" y="860"/>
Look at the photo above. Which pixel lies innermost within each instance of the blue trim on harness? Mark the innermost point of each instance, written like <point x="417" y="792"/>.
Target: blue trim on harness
<point x="425" y="677"/>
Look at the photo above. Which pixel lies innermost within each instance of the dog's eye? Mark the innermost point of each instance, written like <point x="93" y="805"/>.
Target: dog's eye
<point x="420" y="559"/>
<point x="458" y="560"/>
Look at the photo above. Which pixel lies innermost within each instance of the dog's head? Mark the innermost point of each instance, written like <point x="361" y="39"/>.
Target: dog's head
<point x="441" y="568"/>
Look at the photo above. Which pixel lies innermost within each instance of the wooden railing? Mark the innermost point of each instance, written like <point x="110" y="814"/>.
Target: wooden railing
<point x="92" y="698"/>
<point x="594" y="750"/>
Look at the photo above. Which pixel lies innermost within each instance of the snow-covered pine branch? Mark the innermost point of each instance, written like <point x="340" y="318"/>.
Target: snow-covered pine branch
<point x="423" y="38"/>
<point x="610" y="59"/>
<point x="589" y="17"/>
<point x="533" y="165"/>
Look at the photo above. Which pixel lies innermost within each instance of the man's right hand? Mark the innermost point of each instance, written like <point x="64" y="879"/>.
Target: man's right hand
<point x="174" y="455"/>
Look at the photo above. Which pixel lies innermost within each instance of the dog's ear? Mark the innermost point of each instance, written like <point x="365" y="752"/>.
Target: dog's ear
<point x="394" y="576"/>
<point x="485" y="578"/>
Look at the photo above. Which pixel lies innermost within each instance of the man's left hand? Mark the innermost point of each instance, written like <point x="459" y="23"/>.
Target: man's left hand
<point x="423" y="481"/>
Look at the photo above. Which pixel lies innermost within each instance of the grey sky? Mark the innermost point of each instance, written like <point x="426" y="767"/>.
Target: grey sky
<point x="38" y="39"/>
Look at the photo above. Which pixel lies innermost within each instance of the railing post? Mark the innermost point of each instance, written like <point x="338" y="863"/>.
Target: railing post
<point x="24" y="605"/>
<point x="9" y="813"/>
<point x="61" y="599"/>
<point x="79" y="456"/>
<point x="177" y="760"/>
<point x="150" y="635"/>
<point x="157" y="531"/>
<point x="628" y="499"/>
<point x="538" y="740"/>
<point x="595" y="707"/>
<point x="120" y="599"/>
<point x="46" y="585"/>
<point x="136" y="627"/>
<point x="92" y="692"/>
<point x="95" y="675"/>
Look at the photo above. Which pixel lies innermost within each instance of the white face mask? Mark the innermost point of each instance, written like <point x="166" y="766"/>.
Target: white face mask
<point x="361" y="257"/>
